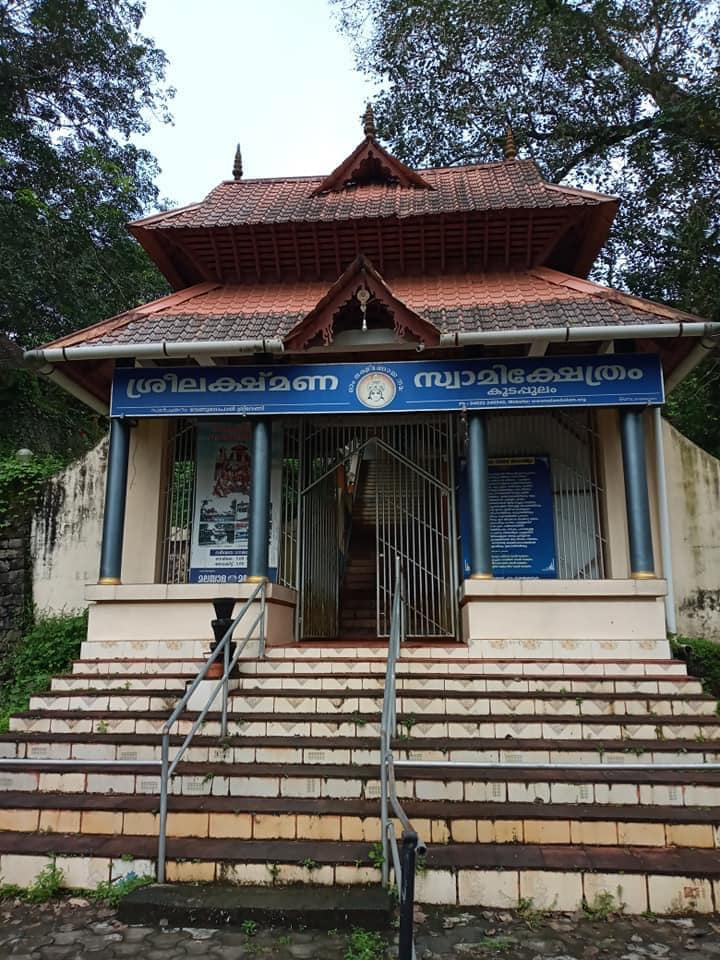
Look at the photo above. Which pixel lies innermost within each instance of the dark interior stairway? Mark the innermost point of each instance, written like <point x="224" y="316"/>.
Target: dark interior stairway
<point x="358" y="590"/>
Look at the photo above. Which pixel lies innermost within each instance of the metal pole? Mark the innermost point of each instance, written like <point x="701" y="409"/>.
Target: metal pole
<point x="642" y="564"/>
<point x="115" y="496"/>
<point x="259" y="520"/>
<point x="226" y="684"/>
<point x="478" y="498"/>
<point x="406" y="885"/>
<point x="162" y="837"/>
<point x="663" y="509"/>
<point x="384" y="821"/>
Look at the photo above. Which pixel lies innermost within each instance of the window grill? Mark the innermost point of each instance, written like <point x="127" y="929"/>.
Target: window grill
<point x="180" y="471"/>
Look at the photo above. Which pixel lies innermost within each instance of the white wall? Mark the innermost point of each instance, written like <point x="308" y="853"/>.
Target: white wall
<point x="693" y="479"/>
<point x="66" y="532"/>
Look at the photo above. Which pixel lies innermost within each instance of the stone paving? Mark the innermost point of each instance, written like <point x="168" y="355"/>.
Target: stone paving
<point x="73" y="929"/>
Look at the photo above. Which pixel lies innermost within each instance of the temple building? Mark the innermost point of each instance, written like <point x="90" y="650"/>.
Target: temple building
<point x="379" y="370"/>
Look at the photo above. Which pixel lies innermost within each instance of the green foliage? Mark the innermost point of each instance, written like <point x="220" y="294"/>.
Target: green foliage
<point x="376" y="855"/>
<point x="46" y="650"/>
<point x="21" y="485"/>
<point x="37" y="414"/>
<point x="249" y="927"/>
<point x="703" y="660"/>
<point x="604" y="905"/>
<point x="46" y="886"/>
<point x="499" y="944"/>
<point x="621" y="96"/>
<point x="364" y="945"/>
<point x="79" y="80"/>
<point x="694" y="407"/>
<point x="533" y="915"/>
<point x="113" y="892"/>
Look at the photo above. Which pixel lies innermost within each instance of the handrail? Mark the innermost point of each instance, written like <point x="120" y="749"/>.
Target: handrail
<point x="223" y="647"/>
<point x="403" y="866"/>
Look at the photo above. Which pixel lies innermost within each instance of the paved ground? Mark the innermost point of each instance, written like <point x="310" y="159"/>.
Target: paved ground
<point x="69" y="929"/>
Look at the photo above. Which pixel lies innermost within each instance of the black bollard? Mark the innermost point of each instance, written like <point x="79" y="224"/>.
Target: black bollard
<point x="221" y="624"/>
<point x="407" y="894"/>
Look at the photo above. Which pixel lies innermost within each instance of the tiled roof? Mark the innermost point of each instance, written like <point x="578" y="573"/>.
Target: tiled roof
<point x="535" y="299"/>
<point x="515" y="184"/>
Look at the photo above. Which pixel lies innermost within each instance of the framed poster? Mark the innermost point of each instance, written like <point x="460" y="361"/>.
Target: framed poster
<point x="219" y="548"/>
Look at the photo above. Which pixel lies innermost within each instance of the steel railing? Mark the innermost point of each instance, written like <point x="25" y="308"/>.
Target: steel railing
<point x="222" y="649"/>
<point x="403" y="864"/>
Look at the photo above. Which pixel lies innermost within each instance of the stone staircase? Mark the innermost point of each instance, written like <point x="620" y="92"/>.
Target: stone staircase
<point x="291" y="794"/>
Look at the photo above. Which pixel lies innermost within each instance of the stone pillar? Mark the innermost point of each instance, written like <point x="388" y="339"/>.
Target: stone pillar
<point x="115" y="495"/>
<point x="642" y="564"/>
<point x="259" y="520"/>
<point x="478" y="498"/>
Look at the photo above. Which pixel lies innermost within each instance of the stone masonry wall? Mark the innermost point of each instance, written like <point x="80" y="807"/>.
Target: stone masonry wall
<point x="14" y="584"/>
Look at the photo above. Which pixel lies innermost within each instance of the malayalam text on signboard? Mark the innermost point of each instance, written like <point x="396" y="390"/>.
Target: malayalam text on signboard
<point x="403" y="387"/>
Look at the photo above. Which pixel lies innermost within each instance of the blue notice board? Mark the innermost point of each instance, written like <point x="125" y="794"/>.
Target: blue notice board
<point x="389" y="387"/>
<point x="522" y="525"/>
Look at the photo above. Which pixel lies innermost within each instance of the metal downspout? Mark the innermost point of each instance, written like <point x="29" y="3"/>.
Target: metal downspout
<point x="664" y="518"/>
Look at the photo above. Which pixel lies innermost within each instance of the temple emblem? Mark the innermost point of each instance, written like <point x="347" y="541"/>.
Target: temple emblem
<point x="375" y="390"/>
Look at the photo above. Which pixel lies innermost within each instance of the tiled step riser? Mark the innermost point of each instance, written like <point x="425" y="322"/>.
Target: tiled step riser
<point x="427" y="666"/>
<point x="499" y="888"/>
<point x="413" y="706"/>
<point x="316" y="683"/>
<point x="546" y="729"/>
<point x="318" y="754"/>
<point x="477" y="789"/>
<point x="335" y="827"/>
<point x="138" y="667"/>
<point x="509" y="651"/>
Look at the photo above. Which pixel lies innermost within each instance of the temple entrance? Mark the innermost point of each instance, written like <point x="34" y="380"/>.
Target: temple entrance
<point x="369" y="491"/>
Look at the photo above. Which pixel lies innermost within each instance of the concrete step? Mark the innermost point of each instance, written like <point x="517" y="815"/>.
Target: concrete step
<point x="353" y="750"/>
<point x="294" y="723"/>
<point x="352" y="820"/>
<point x="412" y="703"/>
<point x="551" y="876"/>
<point x="674" y="787"/>
<point x="219" y="905"/>
<point x="277" y="677"/>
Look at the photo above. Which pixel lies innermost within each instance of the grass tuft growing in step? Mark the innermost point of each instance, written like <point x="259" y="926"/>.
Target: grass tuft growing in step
<point x="364" y="945"/>
<point x="702" y="658"/>
<point x="46" y="650"/>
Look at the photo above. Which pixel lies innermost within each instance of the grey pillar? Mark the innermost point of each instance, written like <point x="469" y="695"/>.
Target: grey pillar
<point x="115" y="496"/>
<point x="478" y="497"/>
<point x="259" y="523"/>
<point x="642" y="565"/>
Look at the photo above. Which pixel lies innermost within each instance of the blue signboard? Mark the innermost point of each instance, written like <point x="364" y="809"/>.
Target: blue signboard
<point x="522" y="527"/>
<point x="403" y="387"/>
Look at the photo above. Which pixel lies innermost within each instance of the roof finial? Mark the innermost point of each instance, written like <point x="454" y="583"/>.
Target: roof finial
<point x="510" y="150"/>
<point x="369" y="122"/>
<point x="237" y="170"/>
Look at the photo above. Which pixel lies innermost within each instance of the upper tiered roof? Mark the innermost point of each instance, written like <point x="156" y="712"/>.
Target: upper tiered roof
<point x="447" y="219"/>
<point x="485" y="255"/>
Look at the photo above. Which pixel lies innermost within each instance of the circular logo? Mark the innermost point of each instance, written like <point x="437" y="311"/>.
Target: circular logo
<point x="375" y="390"/>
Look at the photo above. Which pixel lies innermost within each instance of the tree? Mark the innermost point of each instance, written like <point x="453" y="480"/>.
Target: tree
<point x="623" y="97"/>
<point x="77" y="81"/>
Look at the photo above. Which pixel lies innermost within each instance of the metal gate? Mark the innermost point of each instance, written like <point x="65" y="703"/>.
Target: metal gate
<point x="397" y="480"/>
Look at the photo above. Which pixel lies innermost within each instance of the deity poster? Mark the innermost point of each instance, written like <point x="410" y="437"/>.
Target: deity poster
<point x="222" y="501"/>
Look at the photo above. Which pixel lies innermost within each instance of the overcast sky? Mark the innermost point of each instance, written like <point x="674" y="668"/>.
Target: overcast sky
<point x="273" y="74"/>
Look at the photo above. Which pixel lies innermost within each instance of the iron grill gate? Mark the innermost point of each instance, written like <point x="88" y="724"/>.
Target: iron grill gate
<point x="396" y="478"/>
<point x="179" y="501"/>
<point x="568" y="438"/>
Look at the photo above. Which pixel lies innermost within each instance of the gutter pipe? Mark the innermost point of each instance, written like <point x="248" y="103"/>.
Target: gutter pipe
<point x="573" y="334"/>
<point x="664" y="518"/>
<point x="155" y="351"/>
<point x="695" y="357"/>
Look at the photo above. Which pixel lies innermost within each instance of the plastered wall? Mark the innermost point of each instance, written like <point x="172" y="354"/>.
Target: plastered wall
<point x="66" y="532"/>
<point x="693" y="479"/>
